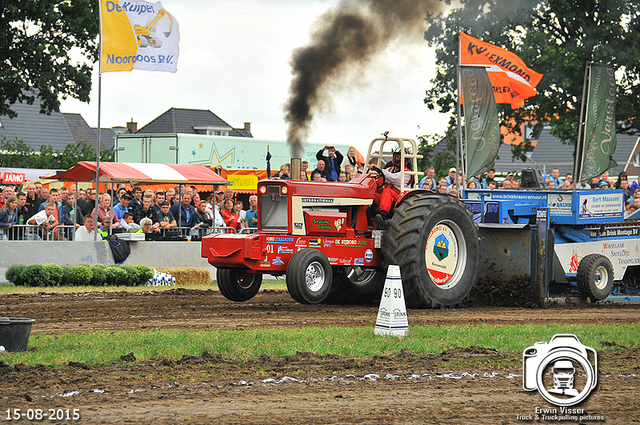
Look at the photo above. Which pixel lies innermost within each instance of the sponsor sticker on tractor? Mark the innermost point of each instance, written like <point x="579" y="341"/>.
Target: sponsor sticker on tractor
<point x="441" y="254"/>
<point x="601" y="205"/>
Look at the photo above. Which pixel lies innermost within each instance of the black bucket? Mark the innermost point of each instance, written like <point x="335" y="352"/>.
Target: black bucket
<point x="14" y="333"/>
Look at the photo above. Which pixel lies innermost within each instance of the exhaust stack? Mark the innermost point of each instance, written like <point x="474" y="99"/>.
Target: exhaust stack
<point x="296" y="168"/>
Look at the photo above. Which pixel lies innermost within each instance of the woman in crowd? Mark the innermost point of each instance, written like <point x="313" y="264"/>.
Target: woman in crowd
<point x="8" y="217"/>
<point x="351" y="160"/>
<point x="104" y="209"/>
<point x="230" y="215"/>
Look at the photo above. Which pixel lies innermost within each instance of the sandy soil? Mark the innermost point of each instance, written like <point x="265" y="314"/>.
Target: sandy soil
<point x="406" y="388"/>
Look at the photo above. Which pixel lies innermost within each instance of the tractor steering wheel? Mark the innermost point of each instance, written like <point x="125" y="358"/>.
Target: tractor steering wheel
<point x="380" y="179"/>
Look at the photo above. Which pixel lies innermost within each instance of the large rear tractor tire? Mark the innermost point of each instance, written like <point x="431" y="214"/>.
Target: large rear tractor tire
<point x="435" y="242"/>
<point x="309" y="276"/>
<point x="236" y="285"/>
<point x="595" y="277"/>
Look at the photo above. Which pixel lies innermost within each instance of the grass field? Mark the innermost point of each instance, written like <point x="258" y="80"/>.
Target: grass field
<point x="106" y="348"/>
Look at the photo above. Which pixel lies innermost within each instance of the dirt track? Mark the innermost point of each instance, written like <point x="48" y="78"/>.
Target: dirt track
<point x="406" y="388"/>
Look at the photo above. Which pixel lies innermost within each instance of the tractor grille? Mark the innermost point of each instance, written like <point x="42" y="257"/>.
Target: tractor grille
<point x="273" y="210"/>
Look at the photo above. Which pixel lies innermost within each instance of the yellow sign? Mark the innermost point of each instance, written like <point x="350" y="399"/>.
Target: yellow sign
<point x="243" y="182"/>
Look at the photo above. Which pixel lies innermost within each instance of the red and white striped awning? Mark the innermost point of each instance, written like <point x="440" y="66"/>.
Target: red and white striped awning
<point x="120" y="172"/>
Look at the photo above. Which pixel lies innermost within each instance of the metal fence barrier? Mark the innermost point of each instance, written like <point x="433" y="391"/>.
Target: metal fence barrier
<point x="28" y="232"/>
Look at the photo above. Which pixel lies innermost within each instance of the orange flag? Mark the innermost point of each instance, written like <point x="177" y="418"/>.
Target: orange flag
<point x="512" y="80"/>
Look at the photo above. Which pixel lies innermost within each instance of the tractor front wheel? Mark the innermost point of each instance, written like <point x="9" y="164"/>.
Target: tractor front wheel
<point x="236" y="285"/>
<point x="435" y="242"/>
<point x="309" y="276"/>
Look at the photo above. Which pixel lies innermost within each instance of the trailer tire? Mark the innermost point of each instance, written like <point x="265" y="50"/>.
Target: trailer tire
<point x="595" y="277"/>
<point x="309" y="276"/>
<point x="236" y="285"/>
<point x="438" y="231"/>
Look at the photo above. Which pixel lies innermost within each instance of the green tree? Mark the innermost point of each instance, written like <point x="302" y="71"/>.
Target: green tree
<point x="73" y="153"/>
<point x="17" y="154"/>
<point x="554" y="37"/>
<point x="37" y="41"/>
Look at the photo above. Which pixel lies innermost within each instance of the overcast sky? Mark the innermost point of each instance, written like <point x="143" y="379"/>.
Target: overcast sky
<point x="234" y="60"/>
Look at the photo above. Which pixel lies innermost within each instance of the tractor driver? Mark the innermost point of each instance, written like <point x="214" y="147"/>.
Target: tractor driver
<point x="387" y="195"/>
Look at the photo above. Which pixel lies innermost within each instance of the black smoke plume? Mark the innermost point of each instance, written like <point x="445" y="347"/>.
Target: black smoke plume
<point x="343" y="41"/>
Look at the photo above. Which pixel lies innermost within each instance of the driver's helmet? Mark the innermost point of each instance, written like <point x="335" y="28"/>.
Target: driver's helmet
<point x="397" y="154"/>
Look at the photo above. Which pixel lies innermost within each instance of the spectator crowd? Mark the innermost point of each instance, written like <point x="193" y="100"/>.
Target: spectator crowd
<point x="55" y="214"/>
<point x="76" y="214"/>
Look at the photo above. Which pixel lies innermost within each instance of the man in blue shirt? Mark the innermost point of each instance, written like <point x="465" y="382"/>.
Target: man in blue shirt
<point x="332" y="162"/>
<point x="555" y="176"/>
<point x="251" y="218"/>
<point x="184" y="212"/>
<point x="123" y="206"/>
<point x="451" y="177"/>
<point x="164" y="219"/>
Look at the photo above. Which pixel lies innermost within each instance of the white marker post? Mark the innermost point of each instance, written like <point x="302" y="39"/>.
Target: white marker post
<point x="392" y="314"/>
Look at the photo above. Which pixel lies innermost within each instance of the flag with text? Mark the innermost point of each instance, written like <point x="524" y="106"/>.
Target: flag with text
<point x="137" y="35"/>
<point x="482" y="131"/>
<point x="512" y="80"/>
<point x="599" y="141"/>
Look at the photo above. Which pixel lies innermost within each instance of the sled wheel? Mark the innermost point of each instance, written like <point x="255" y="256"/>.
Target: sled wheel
<point x="435" y="242"/>
<point x="595" y="277"/>
<point x="355" y="285"/>
<point x="236" y="285"/>
<point x="309" y="276"/>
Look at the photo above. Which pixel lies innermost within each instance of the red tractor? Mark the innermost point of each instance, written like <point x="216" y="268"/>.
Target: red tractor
<point x="324" y="238"/>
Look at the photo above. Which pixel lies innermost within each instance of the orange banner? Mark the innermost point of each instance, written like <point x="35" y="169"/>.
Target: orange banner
<point x="512" y="80"/>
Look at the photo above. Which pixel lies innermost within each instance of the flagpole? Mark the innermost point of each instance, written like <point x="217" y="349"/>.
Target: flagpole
<point x="95" y="215"/>
<point x="460" y="158"/>
<point x="577" y="160"/>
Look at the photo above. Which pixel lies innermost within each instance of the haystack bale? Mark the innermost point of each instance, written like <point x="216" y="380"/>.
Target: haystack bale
<point x="188" y="275"/>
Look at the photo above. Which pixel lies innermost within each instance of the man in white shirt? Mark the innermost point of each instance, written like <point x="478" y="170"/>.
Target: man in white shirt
<point x="87" y="232"/>
<point x="46" y="219"/>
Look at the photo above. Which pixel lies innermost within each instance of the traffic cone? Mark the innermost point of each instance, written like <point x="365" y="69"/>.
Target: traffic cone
<point x="392" y="314"/>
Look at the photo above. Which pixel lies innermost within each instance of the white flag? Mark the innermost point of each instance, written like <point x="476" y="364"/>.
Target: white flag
<point x="138" y="35"/>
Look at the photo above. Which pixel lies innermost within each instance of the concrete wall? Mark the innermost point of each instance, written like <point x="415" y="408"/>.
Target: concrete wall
<point x="152" y="254"/>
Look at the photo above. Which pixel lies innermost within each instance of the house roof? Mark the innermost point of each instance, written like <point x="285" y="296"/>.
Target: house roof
<point x="106" y="137"/>
<point x="56" y="130"/>
<point x="81" y="131"/>
<point x="187" y="121"/>
<point x="36" y="129"/>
